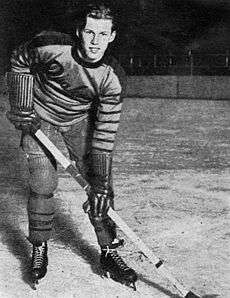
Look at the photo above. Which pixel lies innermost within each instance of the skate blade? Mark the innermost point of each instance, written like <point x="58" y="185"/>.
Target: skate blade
<point x="36" y="281"/>
<point x="105" y="274"/>
<point x="133" y="286"/>
<point x="129" y="284"/>
<point x="34" y="284"/>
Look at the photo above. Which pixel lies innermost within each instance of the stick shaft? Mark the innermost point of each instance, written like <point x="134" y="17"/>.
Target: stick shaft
<point x="148" y="253"/>
<point x="112" y="214"/>
<point x="67" y="165"/>
<point x="53" y="149"/>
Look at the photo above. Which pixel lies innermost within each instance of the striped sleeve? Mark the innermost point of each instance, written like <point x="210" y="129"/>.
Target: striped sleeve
<point x="20" y="60"/>
<point x="109" y="112"/>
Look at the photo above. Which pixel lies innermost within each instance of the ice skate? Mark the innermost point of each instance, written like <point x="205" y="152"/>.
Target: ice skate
<point x="39" y="262"/>
<point x="113" y="266"/>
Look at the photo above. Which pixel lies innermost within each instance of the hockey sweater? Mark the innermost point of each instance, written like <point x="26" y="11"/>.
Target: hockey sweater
<point x="66" y="87"/>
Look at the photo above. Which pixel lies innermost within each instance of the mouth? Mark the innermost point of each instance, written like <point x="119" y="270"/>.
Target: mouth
<point x="94" y="50"/>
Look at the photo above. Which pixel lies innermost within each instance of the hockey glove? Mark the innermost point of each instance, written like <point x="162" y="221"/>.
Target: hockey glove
<point x="99" y="203"/>
<point x="28" y="122"/>
<point x="100" y="195"/>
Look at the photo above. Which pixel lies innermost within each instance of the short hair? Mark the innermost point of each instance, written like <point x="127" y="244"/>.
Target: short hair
<point x="97" y="10"/>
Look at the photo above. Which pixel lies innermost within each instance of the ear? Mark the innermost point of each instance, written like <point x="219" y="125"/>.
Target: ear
<point x="112" y="36"/>
<point x="77" y="33"/>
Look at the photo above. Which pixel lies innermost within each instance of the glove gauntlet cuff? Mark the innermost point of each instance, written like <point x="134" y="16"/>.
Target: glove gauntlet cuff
<point x="102" y="165"/>
<point x="20" y="88"/>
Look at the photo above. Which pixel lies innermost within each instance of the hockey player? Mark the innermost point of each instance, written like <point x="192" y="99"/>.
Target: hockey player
<point x="70" y="87"/>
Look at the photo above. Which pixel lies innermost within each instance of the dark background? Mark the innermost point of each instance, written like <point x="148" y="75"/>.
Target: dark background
<point x="147" y="27"/>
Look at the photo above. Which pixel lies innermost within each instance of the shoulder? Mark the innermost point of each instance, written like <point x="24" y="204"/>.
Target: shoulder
<point x="49" y="38"/>
<point x="115" y="77"/>
<point x="113" y="64"/>
<point x="115" y="70"/>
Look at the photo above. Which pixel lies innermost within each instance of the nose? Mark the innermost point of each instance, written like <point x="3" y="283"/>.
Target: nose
<point x="95" y="39"/>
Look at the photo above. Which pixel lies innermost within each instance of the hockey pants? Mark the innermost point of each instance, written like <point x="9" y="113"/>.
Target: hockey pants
<point x="43" y="179"/>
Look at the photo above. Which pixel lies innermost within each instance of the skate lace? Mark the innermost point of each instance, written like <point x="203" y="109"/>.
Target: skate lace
<point x="38" y="256"/>
<point x="117" y="259"/>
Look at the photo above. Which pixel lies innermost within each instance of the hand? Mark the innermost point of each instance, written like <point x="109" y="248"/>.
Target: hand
<point x="97" y="204"/>
<point x="25" y="121"/>
<point x="100" y="197"/>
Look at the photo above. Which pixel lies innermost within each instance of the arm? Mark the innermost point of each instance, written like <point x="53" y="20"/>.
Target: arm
<point x="103" y="143"/>
<point x="20" y="85"/>
<point x="109" y="110"/>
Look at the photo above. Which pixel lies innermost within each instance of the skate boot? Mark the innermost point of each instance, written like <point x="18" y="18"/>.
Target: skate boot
<point x="39" y="262"/>
<point x="113" y="266"/>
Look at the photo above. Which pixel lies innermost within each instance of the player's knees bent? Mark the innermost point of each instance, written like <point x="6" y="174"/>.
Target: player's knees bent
<point x="43" y="175"/>
<point x="42" y="186"/>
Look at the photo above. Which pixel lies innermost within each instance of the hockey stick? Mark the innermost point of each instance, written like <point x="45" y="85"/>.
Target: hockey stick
<point x="67" y="165"/>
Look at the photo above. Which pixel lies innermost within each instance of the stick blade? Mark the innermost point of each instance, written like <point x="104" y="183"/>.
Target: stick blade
<point x="191" y="295"/>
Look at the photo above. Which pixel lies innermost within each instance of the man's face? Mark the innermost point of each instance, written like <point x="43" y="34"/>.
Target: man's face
<point x="95" y="38"/>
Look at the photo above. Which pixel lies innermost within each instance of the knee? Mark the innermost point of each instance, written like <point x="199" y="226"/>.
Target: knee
<point x="40" y="205"/>
<point x="43" y="175"/>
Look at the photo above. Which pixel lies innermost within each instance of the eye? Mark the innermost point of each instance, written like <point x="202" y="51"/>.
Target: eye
<point x="104" y="34"/>
<point x="88" y="31"/>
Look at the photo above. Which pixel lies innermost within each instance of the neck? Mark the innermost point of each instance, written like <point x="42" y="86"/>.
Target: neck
<point x="85" y="58"/>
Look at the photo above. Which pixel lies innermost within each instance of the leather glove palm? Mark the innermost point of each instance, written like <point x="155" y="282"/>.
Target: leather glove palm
<point x="99" y="200"/>
<point x="99" y="205"/>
